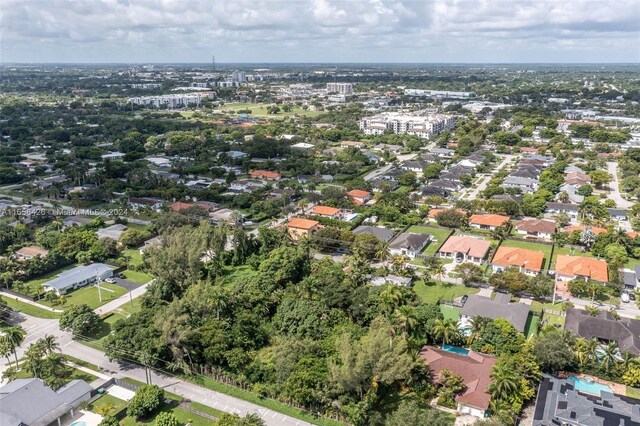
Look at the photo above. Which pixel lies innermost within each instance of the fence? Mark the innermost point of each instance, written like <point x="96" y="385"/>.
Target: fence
<point x="126" y="385"/>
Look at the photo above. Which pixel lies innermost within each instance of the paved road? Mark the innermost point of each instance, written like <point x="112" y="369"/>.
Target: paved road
<point x="485" y="180"/>
<point x="614" y="185"/>
<point x="382" y="170"/>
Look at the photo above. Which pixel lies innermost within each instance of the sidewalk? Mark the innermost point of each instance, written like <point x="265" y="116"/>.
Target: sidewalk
<point x="125" y="298"/>
<point x="31" y="302"/>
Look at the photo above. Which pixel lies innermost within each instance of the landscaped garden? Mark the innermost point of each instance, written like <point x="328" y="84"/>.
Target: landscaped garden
<point x="433" y="291"/>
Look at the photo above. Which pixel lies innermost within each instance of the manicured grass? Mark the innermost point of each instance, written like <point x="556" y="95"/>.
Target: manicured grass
<point x="137" y="276"/>
<point x="73" y="374"/>
<point x="260" y="110"/>
<point x="81" y="363"/>
<point x="28" y="309"/>
<point x="35" y="285"/>
<point x="265" y="402"/>
<point x="135" y="258"/>
<point x="631" y="264"/>
<point x="439" y="237"/>
<point x="182" y="416"/>
<point x="538" y="306"/>
<point x="206" y="409"/>
<point x="129" y="309"/>
<point x="450" y="312"/>
<point x="434" y="291"/>
<point x="633" y="392"/>
<point x="118" y="404"/>
<point x="531" y="326"/>
<point x="527" y="245"/>
<point x="89" y="296"/>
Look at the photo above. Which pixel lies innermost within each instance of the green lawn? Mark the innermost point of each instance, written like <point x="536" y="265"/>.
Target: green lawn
<point x="260" y="110"/>
<point x="71" y="373"/>
<point x="233" y="274"/>
<point x="137" y="276"/>
<point x="434" y="291"/>
<point x="28" y="309"/>
<point x="102" y="332"/>
<point x="118" y="404"/>
<point x="631" y="264"/>
<point x="129" y="309"/>
<point x="450" y="312"/>
<point x="439" y="237"/>
<point x="89" y="295"/>
<point x="532" y="325"/>
<point x="82" y="363"/>
<point x="633" y="392"/>
<point x="135" y="258"/>
<point x="182" y="416"/>
<point x="35" y="285"/>
<point x="527" y="245"/>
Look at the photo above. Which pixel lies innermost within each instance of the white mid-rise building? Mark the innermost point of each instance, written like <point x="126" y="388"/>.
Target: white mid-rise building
<point x="421" y="123"/>
<point x="439" y="94"/>
<point x="341" y="88"/>
<point x="173" y="101"/>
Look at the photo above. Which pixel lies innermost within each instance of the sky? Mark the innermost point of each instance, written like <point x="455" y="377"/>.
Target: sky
<point x="316" y="31"/>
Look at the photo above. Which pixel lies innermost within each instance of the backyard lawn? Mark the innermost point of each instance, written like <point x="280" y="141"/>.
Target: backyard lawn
<point x="566" y="251"/>
<point x="135" y="258"/>
<point x="439" y="237"/>
<point x="450" y="312"/>
<point x="106" y="399"/>
<point x="527" y="245"/>
<point x="89" y="295"/>
<point x="136" y="276"/>
<point x="435" y="291"/>
<point x="532" y="325"/>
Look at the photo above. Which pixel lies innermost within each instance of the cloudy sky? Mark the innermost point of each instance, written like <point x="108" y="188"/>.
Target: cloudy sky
<point x="319" y="31"/>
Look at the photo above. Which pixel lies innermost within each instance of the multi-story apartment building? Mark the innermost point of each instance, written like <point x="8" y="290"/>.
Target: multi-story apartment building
<point x="439" y="94"/>
<point x="173" y="101"/>
<point x="421" y="123"/>
<point x="342" y="88"/>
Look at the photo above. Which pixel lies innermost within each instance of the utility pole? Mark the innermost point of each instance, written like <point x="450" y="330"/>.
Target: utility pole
<point x="98" y="284"/>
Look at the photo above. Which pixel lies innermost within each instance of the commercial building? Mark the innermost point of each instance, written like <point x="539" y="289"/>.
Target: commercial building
<point x="424" y="124"/>
<point x="444" y="94"/>
<point x="342" y="88"/>
<point x="174" y="100"/>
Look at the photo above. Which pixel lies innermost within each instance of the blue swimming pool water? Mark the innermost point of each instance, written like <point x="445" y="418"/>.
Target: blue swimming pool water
<point x="589" y="387"/>
<point x="455" y="349"/>
<point x="79" y="423"/>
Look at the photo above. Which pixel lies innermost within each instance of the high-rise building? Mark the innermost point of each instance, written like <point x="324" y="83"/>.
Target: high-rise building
<point x="342" y="88"/>
<point x="239" y="76"/>
<point x="424" y="124"/>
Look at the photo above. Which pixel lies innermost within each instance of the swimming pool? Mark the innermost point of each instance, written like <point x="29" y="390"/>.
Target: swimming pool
<point x="455" y="349"/>
<point x="594" y="388"/>
<point x="79" y="423"/>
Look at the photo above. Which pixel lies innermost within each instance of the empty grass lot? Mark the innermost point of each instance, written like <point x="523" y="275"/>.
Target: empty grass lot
<point x="135" y="258"/>
<point x="546" y="249"/>
<point x="434" y="291"/>
<point x="137" y="276"/>
<point x="438" y="237"/>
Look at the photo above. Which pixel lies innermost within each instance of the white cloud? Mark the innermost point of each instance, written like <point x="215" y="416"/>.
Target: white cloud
<point x="319" y="30"/>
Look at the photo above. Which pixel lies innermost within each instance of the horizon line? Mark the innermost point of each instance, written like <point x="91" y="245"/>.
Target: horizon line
<point x="321" y="63"/>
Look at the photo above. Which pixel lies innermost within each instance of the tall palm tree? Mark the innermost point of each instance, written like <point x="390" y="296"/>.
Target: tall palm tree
<point x="505" y="382"/>
<point x="446" y="330"/>
<point x="49" y="344"/>
<point x="14" y="336"/>
<point x="439" y="271"/>
<point x="477" y="325"/>
<point x="383" y="252"/>
<point x="406" y="319"/>
<point x="390" y="298"/>
<point x="610" y="354"/>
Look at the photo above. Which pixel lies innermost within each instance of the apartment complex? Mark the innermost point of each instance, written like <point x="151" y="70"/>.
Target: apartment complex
<point x="420" y="123"/>
<point x="342" y="88"/>
<point x="173" y="101"/>
<point x="439" y="94"/>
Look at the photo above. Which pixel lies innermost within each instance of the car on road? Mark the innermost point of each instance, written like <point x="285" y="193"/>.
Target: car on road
<point x="110" y="280"/>
<point x="625" y="297"/>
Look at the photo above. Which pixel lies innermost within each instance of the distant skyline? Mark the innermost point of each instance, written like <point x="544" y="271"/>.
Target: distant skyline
<point x="320" y="31"/>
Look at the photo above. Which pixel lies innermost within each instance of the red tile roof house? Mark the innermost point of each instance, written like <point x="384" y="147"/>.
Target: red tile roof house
<point x="475" y="370"/>
<point x="595" y="229"/>
<point x="325" y="211"/>
<point x="359" y="197"/>
<point x="543" y="229"/>
<point x="487" y="221"/>
<point x="527" y="261"/>
<point x="464" y="249"/>
<point x="571" y="267"/>
<point x="265" y="175"/>
<point x="577" y="179"/>
<point x="178" y="206"/>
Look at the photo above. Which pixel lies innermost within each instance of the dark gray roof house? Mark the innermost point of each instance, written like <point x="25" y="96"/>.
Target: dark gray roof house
<point x="618" y="214"/>
<point x="383" y="234"/>
<point x="625" y="331"/>
<point x="29" y="402"/>
<point x="560" y="403"/>
<point x="499" y="307"/>
<point x="410" y="242"/>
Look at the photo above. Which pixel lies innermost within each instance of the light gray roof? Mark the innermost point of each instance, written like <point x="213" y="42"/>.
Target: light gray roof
<point x="78" y="274"/>
<point x="383" y="234"/>
<point x="30" y="402"/>
<point x="521" y="181"/>
<point x="500" y="307"/>
<point x="113" y="231"/>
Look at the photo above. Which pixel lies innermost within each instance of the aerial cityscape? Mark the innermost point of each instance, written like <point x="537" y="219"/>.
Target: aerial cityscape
<point x="333" y="213"/>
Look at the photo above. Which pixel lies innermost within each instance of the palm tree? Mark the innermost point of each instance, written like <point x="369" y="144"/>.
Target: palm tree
<point x="390" y="298"/>
<point x="105" y="409"/>
<point x="446" y="330"/>
<point x="610" y="354"/>
<point x="48" y="344"/>
<point x="477" y="325"/>
<point x="383" y="252"/>
<point x="439" y="271"/>
<point x="14" y="336"/>
<point x="505" y="382"/>
<point x="61" y="300"/>
<point x="563" y="197"/>
<point x="405" y="318"/>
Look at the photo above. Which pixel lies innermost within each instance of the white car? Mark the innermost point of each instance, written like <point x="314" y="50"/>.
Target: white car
<point x="110" y="280"/>
<point x="624" y="297"/>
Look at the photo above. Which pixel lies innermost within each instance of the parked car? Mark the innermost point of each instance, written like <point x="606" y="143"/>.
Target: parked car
<point x="464" y="298"/>
<point x="632" y="296"/>
<point x="625" y="297"/>
<point x="110" y="280"/>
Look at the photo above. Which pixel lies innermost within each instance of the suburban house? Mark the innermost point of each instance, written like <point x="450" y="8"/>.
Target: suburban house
<point x="179" y="206"/>
<point x="31" y="402"/>
<point x="557" y="208"/>
<point x="352" y="144"/>
<point x="392" y="279"/>
<point x="265" y="175"/>
<point x="30" y="252"/>
<point x="572" y="193"/>
<point x="229" y="216"/>
<point x="571" y="267"/>
<point x="409" y="244"/>
<point x="77" y="277"/>
<point x="462" y="248"/>
<point x="383" y="234"/>
<point x="499" y="307"/>
<point x="141" y="203"/>
<point x="579" y="228"/>
<point x="299" y="228"/>
<point x="618" y="214"/>
<point x="605" y="328"/>
<point x="359" y="197"/>
<point x="475" y="370"/>
<point x="112" y="232"/>
<point x="487" y="221"/>
<point x="537" y="228"/>
<point x="577" y="179"/>
<point x="325" y="211"/>
<point x="560" y="403"/>
<point x="527" y="261"/>
<point x="631" y="278"/>
<point x="449" y="185"/>
<point x="525" y="184"/>
<point x="151" y="242"/>
<point x="75" y="221"/>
